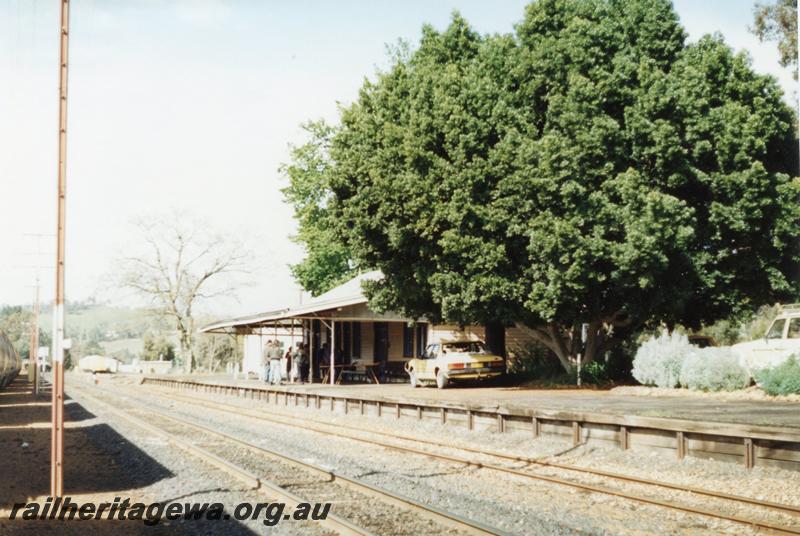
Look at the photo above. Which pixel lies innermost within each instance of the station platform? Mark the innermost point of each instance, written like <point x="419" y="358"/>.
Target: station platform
<point x="520" y="400"/>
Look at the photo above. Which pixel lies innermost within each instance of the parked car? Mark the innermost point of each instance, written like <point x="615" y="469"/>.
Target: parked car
<point x="450" y="361"/>
<point x="781" y="340"/>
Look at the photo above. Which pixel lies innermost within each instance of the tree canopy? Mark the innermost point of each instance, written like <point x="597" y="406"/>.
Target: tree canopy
<point x="328" y="260"/>
<point x="157" y="347"/>
<point x="777" y="21"/>
<point x="590" y="168"/>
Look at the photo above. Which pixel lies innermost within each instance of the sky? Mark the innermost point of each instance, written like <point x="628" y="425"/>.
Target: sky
<point x="191" y="106"/>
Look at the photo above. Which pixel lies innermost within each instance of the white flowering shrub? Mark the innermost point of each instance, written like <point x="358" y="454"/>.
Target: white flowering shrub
<point x="658" y="361"/>
<point x="713" y="369"/>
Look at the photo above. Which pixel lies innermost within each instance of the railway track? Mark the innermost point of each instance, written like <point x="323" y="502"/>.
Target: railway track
<point x="292" y="421"/>
<point x="758" y="444"/>
<point x="362" y="509"/>
<point x="339" y="429"/>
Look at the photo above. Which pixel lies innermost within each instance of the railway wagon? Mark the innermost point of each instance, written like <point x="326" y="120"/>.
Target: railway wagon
<point x="98" y="363"/>
<point x="9" y="361"/>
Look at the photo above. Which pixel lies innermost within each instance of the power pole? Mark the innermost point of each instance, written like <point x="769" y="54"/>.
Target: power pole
<point x="57" y="443"/>
<point x="33" y="363"/>
<point x="33" y="370"/>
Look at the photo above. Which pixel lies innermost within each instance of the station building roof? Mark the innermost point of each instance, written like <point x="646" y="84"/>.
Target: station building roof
<point x="345" y="302"/>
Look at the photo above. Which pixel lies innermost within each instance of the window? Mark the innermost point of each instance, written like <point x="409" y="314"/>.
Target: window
<point x="422" y="338"/>
<point x="776" y="329"/>
<point x="794" y="328"/>
<point x="356" y="339"/>
<point x="431" y="351"/>
<point x="408" y="341"/>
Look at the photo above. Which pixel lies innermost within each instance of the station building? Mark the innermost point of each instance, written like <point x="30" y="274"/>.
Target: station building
<point x="364" y="338"/>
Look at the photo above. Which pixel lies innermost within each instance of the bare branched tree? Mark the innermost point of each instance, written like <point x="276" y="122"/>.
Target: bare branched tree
<point x="180" y="264"/>
<point x="777" y="21"/>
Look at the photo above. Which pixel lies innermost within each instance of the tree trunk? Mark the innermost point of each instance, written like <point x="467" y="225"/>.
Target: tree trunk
<point x="186" y="350"/>
<point x="565" y="341"/>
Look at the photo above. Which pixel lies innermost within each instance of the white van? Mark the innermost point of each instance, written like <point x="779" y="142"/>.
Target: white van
<point x="781" y="340"/>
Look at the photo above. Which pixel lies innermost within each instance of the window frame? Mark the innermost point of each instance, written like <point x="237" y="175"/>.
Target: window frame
<point x="422" y="339"/>
<point x="431" y="351"/>
<point x="356" y="332"/>
<point x="793" y="322"/>
<point x="774" y="323"/>
<point x="408" y="340"/>
<point x="347" y="341"/>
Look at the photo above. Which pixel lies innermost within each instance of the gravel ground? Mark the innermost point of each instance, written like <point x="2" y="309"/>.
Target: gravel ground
<point x="501" y="500"/>
<point x="588" y="458"/>
<point x="764" y="483"/>
<point x="191" y="481"/>
<point x="377" y="517"/>
<point x="427" y="482"/>
<point x="100" y="465"/>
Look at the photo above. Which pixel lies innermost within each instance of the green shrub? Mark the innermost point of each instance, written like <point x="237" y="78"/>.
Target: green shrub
<point x="619" y="360"/>
<point x="533" y="362"/>
<point x="713" y="369"/>
<point x="658" y="361"/>
<point x="726" y="332"/>
<point x="595" y="373"/>
<point x="781" y="380"/>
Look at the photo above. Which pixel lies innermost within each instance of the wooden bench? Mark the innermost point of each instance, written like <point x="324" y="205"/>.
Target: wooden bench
<point x="360" y="374"/>
<point x="391" y="372"/>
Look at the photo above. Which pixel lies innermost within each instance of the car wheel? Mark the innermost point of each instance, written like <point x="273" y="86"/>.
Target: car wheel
<point x="441" y="380"/>
<point x="412" y="375"/>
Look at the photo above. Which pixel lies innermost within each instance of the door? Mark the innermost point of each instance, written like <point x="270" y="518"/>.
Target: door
<point x="771" y="350"/>
<point x="427" y="363"/>
<point x="381" y="341"/>
<point x="793" y="336"/>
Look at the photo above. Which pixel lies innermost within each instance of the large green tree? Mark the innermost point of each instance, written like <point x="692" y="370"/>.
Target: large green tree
<point x="592" y="168"/>
<point x="328" y="260"/>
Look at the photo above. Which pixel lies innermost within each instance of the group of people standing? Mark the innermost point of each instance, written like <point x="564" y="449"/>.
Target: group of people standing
<point x="294" y="368"/>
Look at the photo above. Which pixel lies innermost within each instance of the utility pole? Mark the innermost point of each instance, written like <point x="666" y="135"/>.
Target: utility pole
<point x="33" y="370"/>
<point x="33" y="360"/>
<point x="584" y="336"/>
<point x="57" y="443"/>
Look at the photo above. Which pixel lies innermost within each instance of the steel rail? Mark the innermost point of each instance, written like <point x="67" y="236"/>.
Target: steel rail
<point x="788" y="508"/>
<point x="273" y="491"/>
<point x="440" y="516"/>
<point x="556" y="480"/>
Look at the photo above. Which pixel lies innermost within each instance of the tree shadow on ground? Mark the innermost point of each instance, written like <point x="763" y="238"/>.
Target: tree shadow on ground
<point x="98" y="462"/>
